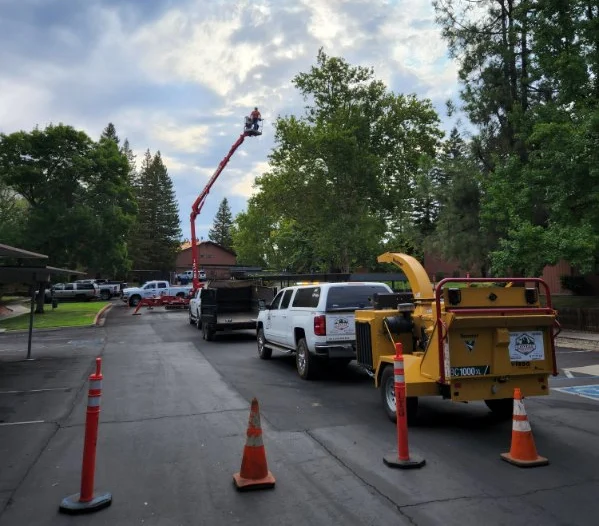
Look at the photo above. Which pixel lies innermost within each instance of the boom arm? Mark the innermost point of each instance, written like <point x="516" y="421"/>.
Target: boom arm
<point x="199" y="203"/>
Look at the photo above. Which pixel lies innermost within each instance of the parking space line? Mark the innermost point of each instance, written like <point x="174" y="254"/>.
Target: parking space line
<point x="568" y="373"/>
<point x="22" y="423"/>
<point x="37" y="390"/>
<point x="590" y="391"/>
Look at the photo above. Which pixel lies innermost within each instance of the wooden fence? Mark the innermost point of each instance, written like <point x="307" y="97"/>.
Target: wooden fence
<point x="578" y="319"/>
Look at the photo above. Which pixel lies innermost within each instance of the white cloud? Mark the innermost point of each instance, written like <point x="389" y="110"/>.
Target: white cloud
<point x="188" y="139"/>
<point x="182" y="81"/>
<point x="22" y="102"/>
<point x="186" y="45"/>
<point x="245" y="180"/>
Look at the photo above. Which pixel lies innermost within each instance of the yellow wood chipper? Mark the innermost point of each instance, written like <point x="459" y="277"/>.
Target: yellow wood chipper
<point x="466" y="339"/>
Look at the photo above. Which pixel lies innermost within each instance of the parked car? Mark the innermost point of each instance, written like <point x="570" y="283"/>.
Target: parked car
<point x="76" y="291"/>
<point x="316" y="322"/>
<point x="107" y="289"/>
<point x="151" y="289"/>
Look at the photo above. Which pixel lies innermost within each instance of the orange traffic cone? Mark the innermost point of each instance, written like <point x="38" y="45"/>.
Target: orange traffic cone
<point x="254" y="472"/>
<point x="523" y="452"/>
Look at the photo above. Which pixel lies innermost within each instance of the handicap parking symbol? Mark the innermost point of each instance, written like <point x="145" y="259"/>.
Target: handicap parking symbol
<point x="586" y="391"/>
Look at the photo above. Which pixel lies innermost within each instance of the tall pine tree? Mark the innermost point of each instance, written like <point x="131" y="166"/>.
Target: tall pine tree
<point x="110" y="133"/>
<point x="156" y="237"/>
<point x="168" y="228"/>
<point x="221" y="232"/>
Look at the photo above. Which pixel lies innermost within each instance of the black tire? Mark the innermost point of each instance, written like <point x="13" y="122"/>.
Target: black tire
<point x="81" y="297"/>
<point x="387" y="388"/>
<point x="502" y="407"/>
<point x="199" y="323"/>
<point x="105" y="295"/>
<point x="134" y="300"/>
<point x="264" y="352"/>
<point x="191" y="320"/>
<point x="207" y="332"/>
<point x="305" y="363"/>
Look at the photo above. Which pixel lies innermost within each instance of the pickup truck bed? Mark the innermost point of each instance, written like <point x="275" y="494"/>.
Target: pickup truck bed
<point x="231" y="305"/>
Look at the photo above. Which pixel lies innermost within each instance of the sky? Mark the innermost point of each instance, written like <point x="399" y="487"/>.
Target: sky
<point x="178" y="76"/>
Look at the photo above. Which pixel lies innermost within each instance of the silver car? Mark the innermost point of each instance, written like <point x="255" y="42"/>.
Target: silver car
<point x="76" y="291"/>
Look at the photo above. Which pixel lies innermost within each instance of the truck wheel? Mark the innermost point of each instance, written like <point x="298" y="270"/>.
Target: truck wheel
<point x="208" y="333"/>
<point x="199" y="323"/>
<point x="263" y="351"/>
<point x="105" y="295"/>
<point x="134" y="300"/>
<point x="502" y="407"/>
<point x="191" y="322"/>
<point x="306" y="364"/>
<point x="387" y="387"/>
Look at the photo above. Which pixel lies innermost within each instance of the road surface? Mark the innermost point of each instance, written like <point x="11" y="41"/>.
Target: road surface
<point x="174" y="416"/>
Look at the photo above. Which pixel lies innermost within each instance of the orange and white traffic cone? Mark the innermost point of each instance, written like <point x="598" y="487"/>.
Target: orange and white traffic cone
<point x="523" y="452"/>
<point x="254" y="472"/>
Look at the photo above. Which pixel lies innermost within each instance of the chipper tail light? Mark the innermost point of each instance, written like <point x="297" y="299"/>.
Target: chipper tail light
<point x="320" y="325"/>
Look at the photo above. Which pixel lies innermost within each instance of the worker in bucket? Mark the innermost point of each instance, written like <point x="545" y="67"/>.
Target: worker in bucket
<point x="256" y="117"/>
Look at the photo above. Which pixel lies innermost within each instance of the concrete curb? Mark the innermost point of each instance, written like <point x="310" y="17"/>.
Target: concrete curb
<point x="577" y="343"/>
<point x="101" y="316"/>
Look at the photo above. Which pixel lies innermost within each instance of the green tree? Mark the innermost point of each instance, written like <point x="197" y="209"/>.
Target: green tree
<point x="132" y="162"/>
<point x="530" y="74"/>
<point x="79" y="205"/>
<point x="457" y="233"/>
<point x="338" y="174"/>
<point x="51" y="169"/>
<point x="221" y="228"/>
<point x="110" y="133"/>
<point x="13" y="216"/>
<point x="156" y="235"/>
<point x="110" y="196"/>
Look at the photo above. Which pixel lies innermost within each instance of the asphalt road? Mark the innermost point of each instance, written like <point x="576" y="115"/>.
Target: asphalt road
<point x="174" y="414"/>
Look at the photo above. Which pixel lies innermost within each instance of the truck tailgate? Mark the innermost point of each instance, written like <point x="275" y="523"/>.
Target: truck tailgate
<point x="340" y="327"/>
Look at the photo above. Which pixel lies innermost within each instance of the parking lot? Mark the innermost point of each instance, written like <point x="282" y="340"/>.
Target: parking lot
<point x="173" y="423"/>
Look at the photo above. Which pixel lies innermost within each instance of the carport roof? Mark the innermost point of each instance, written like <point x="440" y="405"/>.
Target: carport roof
<point x="29" y="274"/>
<point x="6" y="251"/>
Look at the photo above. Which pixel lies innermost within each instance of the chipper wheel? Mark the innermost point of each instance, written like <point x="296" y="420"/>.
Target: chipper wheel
<point x="387" y="387"/>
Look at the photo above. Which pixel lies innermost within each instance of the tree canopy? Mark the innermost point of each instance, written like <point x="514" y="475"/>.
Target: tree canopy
<point x="340" y="175"/>
<point x="78" y="206"/>
<point x="84" y="204"/>
<point x="529" y="72"/>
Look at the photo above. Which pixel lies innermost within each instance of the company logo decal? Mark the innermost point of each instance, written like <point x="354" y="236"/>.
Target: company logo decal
<point x="525" y="344"/>
<point x="341" y="324"/>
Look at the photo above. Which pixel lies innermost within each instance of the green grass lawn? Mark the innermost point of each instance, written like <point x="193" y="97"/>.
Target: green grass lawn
<point x="66" y="315"/>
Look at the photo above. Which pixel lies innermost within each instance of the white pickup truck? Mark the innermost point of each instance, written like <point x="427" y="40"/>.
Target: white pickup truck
<point x="154" y="289"/>
<point x="316" y="322"/>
